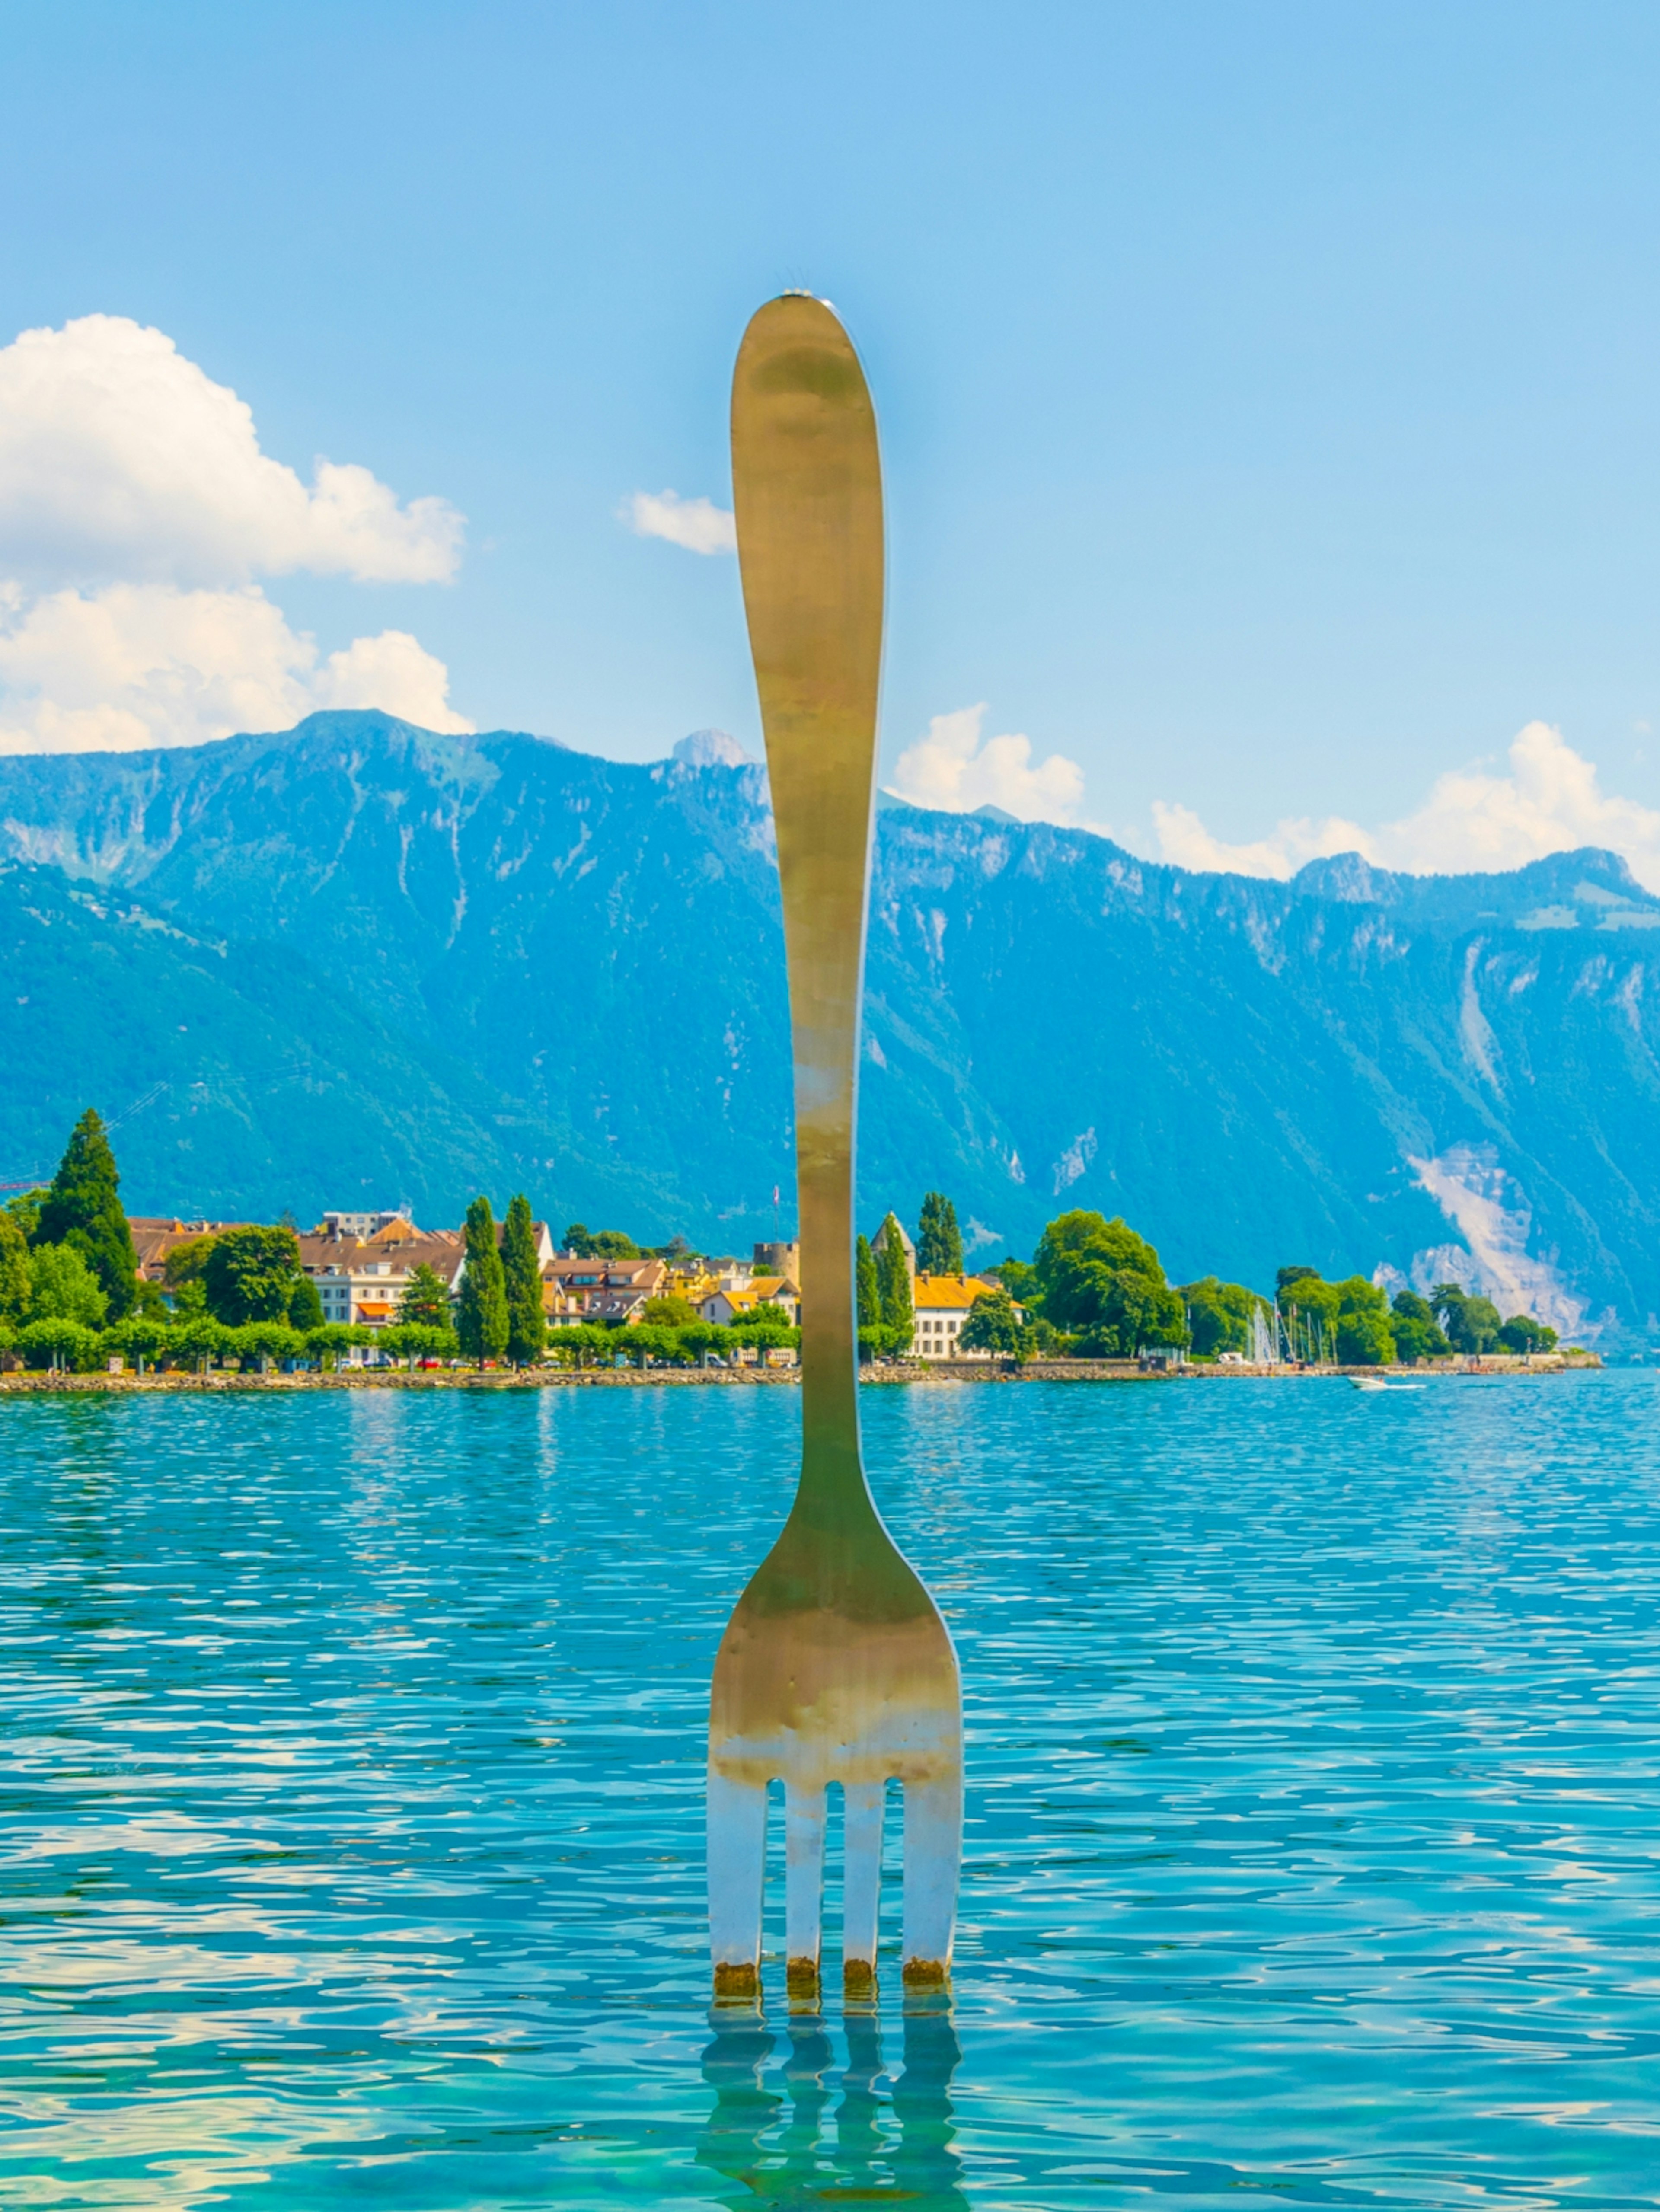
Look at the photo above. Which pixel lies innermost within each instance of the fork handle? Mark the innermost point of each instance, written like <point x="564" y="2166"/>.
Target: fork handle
<point x="807" y="491"/>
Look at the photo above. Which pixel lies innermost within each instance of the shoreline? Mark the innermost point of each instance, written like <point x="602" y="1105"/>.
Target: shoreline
<point x="24" y="1384"/>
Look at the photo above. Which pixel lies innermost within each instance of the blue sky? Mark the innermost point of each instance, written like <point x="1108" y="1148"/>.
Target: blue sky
<point x="1268" y="392"/>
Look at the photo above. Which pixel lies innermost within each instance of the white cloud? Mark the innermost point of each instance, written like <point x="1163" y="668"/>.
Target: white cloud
<point x="1473" y="819"/>
<point x="120" y="459"/>
<point x="136" y="509"/>
<point x="138" y="665"/>
<point x="954" y="770"/>
<point x="1184" y="840"/>
<point x="697" y="524"/>
<point x="1550" y="802"/>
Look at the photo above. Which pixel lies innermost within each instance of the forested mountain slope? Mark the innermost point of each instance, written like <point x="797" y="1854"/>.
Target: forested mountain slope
<point x="357" y="963"/>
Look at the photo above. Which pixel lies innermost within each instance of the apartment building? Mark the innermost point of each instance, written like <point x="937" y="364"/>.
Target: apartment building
<point x="575" y="1291"/>
<point x="361" y="1278"/>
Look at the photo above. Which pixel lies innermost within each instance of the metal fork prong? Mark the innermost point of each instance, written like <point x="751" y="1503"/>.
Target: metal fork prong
<point x="804" y="1886"/>
<point x="863" y="1806"/>
<point x="934" y="1853"/>
<point x="736" y="1869"/>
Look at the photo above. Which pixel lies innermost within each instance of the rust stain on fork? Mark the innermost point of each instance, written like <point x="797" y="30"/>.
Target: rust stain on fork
<point x="836" y="1666"/>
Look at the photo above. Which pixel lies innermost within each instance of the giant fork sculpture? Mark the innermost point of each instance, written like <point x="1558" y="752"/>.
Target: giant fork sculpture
<point x="836" y="1666"/>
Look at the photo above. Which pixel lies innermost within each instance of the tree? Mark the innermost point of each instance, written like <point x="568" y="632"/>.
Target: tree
<point x="578" y="1342"/>
<point x="200" y="1341"/>
<point x="1310" y="1304"/>
<point x="426" y="1300"/>
<point x="263" y="1342"/>
<point x="140" y="1337"/>
<point x="1414" y="1326"/>
<point x="669" y="1313"/>
<point x="647" y="1341"/>
<point x="1220" y="1316"/>
<point x="305" y="1307"/>
<point x="893" y="1284"/>
<point x="994" y="1325"/>
<point x="250" y="1274"/>
<point x="1472" y="1324"/>
<point x="186" y="1263"/>
<point x="15" y="1274"/>
<point x="1363" y="1336"/>
<point x="481" y="1320"/>
<point x="521" y="1276"/>
<point x="1100" y="1279"/>
<point x="326" y="1344"/>
<point x="1521" y="1333"/>
<point x="83" y="1209"/>
<point x="415" y="1340"/>
<point x="24" y="1210"/>
<point x="766" y="1330"/>
<point x="868" y="1290"/>
<point x="1020" y="1281"/>
<point x="57" y="1342"/>
<point x="63" y="1287"/>
<point x="585" y="1243"/>
<point x="938" y="1239"/>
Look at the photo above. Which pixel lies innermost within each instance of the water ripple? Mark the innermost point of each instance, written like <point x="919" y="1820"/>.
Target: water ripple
<point x="353" y="1803"/>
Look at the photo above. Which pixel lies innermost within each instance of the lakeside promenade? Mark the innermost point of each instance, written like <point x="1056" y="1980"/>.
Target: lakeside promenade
<point x="931" y="1375"/>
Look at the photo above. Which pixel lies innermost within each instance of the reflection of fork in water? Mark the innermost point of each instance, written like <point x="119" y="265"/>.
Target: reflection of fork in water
<point x="779" y="2134"/>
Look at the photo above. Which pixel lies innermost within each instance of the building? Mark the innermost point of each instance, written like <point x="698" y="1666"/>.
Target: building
<point x="905" y="1243"/>
<point x="941" y="1304"/>
<point x="729" y="1301"/>
<point x="779" y="1260"/>
<point x="156" y="1238"/>
<point x="575" y="1291"/>
<point x="360" y="1225"/>
<point x="361" y="1279"/>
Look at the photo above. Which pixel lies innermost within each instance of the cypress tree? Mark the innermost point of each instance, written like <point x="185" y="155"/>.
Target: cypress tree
<point x="527" y="1328"/>
<point x="866" y="1289"/>
<point x="893" y="1279"/>
<point x="482" y="1320"/>
<point x="938" y="1239"/>
<point x="84" y="1210"/>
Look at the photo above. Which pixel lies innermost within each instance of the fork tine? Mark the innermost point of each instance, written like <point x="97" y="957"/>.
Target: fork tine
<point x="804" y="1884"/>
<point x="737" y="1866"/>
<point x="933" y="1852"/>
<point x="863" y="1806"/>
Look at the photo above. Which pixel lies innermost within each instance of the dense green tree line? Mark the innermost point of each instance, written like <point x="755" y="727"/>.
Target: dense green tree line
<point x="71" y="1296"/>
<point x="1355" y="1323"/>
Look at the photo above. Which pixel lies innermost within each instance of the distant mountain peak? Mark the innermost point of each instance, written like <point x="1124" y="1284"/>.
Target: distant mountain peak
<point x="711" y="748"/>
<point x="1345" y="875"/>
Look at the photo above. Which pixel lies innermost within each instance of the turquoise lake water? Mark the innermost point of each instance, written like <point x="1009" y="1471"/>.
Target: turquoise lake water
<point x="353" y="1803"/>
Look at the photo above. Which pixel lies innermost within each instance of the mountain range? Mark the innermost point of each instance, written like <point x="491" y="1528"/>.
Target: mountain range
<point x="356" y="964"/>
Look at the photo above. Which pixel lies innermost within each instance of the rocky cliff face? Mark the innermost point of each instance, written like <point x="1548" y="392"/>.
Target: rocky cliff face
<point x="359" y="961"/>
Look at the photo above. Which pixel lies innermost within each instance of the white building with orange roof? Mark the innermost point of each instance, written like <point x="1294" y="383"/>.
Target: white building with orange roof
<point x="941" y="1304"/>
